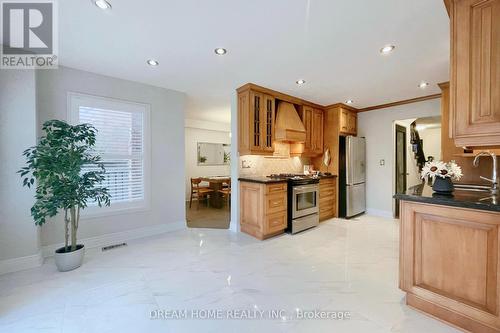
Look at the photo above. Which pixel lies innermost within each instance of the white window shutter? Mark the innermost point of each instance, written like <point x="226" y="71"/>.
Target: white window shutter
<point x="120" y="143"/>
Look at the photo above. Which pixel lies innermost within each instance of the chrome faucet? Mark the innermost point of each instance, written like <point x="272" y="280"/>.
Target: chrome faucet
<point x="494" y="178"/>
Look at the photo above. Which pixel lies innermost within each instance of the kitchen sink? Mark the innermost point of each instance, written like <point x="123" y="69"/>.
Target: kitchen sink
<point x="472" y="187"/>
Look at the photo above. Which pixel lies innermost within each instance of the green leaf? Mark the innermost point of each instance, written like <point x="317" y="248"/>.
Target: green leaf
<point x="56" y="164"/>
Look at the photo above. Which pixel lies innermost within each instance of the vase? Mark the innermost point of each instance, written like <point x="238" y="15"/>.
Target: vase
<point x="67" y="261"/>
<point x="443" y="185"/>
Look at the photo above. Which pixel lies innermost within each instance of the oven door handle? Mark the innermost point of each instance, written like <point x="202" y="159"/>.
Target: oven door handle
<point x="305" y="189"/>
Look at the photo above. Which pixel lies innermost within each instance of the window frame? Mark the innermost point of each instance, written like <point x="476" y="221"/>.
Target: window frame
<point x="74" y="101"/>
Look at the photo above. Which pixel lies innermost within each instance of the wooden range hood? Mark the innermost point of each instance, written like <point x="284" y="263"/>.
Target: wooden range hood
<point x="289" y="127"/>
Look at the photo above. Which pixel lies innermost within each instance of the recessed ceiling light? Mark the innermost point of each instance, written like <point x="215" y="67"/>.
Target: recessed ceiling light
<point x="423" y="85"/>
<point x="387" y="49"/>
<point x="220" y="51"/>
<point x="152" y="62"/>
<point x="103" y="4"/>
<point x="349" y="101"/>
<point x="300" y="82"/>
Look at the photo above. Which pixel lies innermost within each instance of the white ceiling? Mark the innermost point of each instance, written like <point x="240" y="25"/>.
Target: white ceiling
<point x="332" y="44"/>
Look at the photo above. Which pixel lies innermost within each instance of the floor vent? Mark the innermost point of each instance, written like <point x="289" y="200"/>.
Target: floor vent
<point x="114" y="246"/>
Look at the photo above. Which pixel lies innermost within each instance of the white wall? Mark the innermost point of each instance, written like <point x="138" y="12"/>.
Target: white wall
<point x="19" y="237"/>
<point x="167" y="147"/>
<point x="207" y="125"/>
<point x="413" y="175"/>
<point x="377" y="126"/>
<point x="235" y="156"/>
<point x="193" y="136"/>
<point x="432" y="142"/>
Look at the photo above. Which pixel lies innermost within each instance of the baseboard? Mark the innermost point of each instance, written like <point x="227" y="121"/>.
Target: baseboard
<point x="21" y="263"/>
<point x="119" y="237"/>
<point x="379" y="213"/>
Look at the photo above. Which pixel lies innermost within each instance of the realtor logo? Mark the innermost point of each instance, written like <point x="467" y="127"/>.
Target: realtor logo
<point x="29" y="34"/>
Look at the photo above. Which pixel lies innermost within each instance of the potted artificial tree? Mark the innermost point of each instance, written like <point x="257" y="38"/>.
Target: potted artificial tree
<point x="68" y="176"/>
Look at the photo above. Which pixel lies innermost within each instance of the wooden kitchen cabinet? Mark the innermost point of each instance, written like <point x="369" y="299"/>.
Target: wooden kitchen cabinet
<point x="313" y="123"/>
<point x="256" y="116"/>
<point x="450" y="152"/>
<point x="449" y="264"/>
<point x="343" y="121"/>
<point x="257" y="128"/>
<point x="263" y="209"/>
<point x="317" y="132"/>
<point x="475" y="72"/>
<point x="348" y="122"/>
<point x="352" y="119"/>
<point x="327" y="198"/>
<point x="338" y="120"/>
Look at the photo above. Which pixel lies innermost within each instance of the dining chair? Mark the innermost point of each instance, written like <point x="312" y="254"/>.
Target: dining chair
<point x="199" y="192"/>
<point x="226" y="191"/>
<point x="224" y="183"/>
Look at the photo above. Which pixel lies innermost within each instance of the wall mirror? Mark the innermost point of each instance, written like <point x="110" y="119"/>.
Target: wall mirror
<point x="214" y="153"/>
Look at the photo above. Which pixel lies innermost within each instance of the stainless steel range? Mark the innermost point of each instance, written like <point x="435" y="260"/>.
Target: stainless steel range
<point x="303" y="201"/>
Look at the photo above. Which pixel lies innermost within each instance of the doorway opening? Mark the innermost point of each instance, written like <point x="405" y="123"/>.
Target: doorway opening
<point x="401" y="173"/>
<point x="208" y="180"/>
<point x="416" y="142"/>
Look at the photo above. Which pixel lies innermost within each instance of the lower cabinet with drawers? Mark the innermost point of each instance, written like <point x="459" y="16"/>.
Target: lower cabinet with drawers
<point x="263" y="208"/>
<point x="327" y="198"/>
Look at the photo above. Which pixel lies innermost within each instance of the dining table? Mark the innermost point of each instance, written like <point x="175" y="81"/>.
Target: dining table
<point x="216" y="183"/>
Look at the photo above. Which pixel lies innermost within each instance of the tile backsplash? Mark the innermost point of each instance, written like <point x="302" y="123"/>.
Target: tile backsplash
<point x="280" y="162"/>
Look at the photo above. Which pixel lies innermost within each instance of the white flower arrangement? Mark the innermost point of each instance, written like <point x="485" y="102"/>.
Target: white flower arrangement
<point x="441" y="169"/>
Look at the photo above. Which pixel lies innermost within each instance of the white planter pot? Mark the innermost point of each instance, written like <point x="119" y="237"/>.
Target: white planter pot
<point x="67" y="261"/>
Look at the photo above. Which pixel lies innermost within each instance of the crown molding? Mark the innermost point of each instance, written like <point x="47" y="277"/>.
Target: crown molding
<point x="406" y="101"/>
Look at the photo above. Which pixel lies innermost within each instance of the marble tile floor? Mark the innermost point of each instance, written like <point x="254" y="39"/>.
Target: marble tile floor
<point x="340" y="266"/>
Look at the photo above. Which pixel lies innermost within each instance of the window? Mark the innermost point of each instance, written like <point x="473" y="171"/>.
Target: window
<point x="123" y="143"/>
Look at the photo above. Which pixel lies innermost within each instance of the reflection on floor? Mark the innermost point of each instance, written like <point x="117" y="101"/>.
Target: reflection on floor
<point x="339" y="266"/>
<point x="207" y="217"/>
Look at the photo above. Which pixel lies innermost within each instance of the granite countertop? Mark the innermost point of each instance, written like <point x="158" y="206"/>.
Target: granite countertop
<point x="262" y="179"/>
<point x="267" y="180"/>
<point x="460" y="198"/>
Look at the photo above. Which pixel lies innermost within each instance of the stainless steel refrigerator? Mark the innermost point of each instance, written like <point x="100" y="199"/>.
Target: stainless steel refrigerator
<point x="352" y="173"/>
